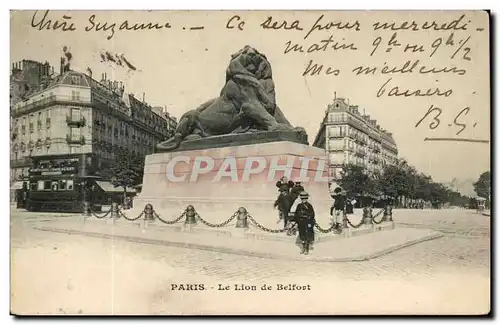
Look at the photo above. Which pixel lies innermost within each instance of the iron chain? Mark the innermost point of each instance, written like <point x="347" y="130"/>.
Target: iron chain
<point x="99" y="216"/>
<point x="130" y="219"/>
<point x="376" y="215"/>
<point x="334" y="227"/>
<point x="169" y="222"/>
<point x="354" y="226"/>
<point x="261" y="227"/>
<point x="218" y="225"/>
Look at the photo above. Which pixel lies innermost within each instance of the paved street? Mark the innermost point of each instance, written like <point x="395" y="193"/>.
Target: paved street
<point x="60" y="273"/>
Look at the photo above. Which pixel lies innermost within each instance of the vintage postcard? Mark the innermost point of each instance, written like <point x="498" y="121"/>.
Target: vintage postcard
<point x="250" y="162"/>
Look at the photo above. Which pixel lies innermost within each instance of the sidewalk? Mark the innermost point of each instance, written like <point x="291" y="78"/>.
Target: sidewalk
<point x="359" y="248"/>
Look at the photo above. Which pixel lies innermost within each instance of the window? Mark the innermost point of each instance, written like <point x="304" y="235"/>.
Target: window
<point x="69" y="184"/>
<point x="62" y="184"/>
<point x="55" y="185"/>
<point x="75" y="114"/>
<point x="75" y="134"/>
<point x="75" y="95"/>
<point x="33" y="186"/>
<point x="334" y="131"/>
<point x="336" y="158"/>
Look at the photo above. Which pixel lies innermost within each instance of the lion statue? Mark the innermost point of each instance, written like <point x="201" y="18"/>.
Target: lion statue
<point x="247" y="103"/>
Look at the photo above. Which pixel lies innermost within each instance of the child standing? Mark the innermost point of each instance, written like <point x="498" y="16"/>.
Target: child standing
<point x="338" y="206"/>
<point x="305" y="217"/>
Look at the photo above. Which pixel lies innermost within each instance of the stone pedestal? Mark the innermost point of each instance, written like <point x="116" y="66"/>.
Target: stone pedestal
<point x="218" y="181"/>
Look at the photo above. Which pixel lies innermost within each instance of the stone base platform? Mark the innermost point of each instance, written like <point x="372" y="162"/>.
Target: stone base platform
<point x="217" y="181"/>
<point x="239" y="139"/>
<point x="355" y="248"/>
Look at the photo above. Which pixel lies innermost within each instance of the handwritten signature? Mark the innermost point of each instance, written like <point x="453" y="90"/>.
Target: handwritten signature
<point x="435" y="119"/>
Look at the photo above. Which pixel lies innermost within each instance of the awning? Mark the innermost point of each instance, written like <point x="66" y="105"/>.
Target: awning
<point x="17" y="186"/>
<point x="108" y="187"/>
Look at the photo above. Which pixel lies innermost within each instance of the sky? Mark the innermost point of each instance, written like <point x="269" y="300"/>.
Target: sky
<point x="181" y="68"/>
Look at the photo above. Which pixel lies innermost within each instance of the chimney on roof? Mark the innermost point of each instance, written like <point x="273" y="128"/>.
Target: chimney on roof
<point x="143" y="97"/>
<point x="355" y="109"/>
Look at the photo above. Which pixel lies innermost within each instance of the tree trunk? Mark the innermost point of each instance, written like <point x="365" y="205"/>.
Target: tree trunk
<point x="124" y="194"/>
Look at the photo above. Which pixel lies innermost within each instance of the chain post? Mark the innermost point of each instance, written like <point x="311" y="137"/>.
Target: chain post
<point x="86" y="209"/>
<point x="190" y="216"/>
<point x="148" y="212"/>
<point x="148" y="215"/>
<point x="344" y="220"/>
<point x="367" y="216"/>
<point x="241" y="221"/>
<point x="388" y="213"/>
<point x="114" y="211"/>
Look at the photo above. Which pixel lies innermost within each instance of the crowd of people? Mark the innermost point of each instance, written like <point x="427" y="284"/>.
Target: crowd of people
<point x="297" y="213"/>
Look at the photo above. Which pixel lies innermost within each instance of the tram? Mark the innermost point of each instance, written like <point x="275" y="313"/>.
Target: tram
<point x="62" y="183"/>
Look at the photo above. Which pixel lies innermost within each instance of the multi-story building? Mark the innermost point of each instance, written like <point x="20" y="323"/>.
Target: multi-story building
<point x="26" y="77"/>
<point x="350" y="137"/>
<point x="73" y="114"/>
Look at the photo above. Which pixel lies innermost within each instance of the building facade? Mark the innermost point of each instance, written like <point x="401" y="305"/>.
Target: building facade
<point x="26" y="77"/>
<point x="72" y="113"/>
<point x="350" y="137"/>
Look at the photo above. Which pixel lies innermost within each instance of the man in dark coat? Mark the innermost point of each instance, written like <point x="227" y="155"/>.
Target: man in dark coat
<point x="305" y="217"/>
<point x="297" y="189"/>
<point x="349" y="206"/>
<point x="284" y="203"/>
<point x="284" y="181"/>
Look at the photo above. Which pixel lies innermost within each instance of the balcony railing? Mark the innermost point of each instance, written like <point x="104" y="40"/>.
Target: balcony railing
<point x="24" y="107"/>
<point x="78" y="123"/>
<point x="360" y="152"/>
<point x="71" y="140"/>
<point x="340" y="148"/>
<point x="361" y="139"/>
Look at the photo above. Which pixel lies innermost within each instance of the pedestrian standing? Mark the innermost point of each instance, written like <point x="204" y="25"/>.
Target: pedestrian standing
<point x="305" y="217"/>
<point x="284" y="182"/>
<point x="338" y="206"/>
<point x="295" y="192"/>
<point x="284" y="203"/>
<point x="349" y="207"/>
